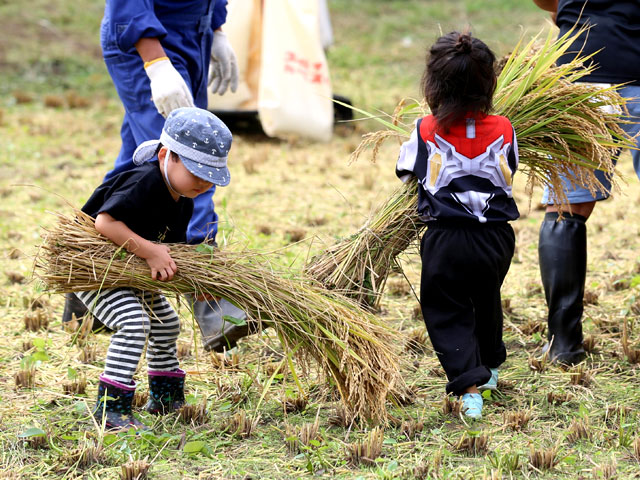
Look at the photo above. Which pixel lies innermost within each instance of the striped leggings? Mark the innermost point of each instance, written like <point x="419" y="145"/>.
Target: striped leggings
<point x="135" y="316"/>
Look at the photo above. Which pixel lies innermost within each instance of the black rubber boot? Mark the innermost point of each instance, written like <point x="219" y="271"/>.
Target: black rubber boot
<point x="114" y="403"/>
<point x="562" y="252"/>
<point x="166" y="392"/>
<point x="73" y="307"/>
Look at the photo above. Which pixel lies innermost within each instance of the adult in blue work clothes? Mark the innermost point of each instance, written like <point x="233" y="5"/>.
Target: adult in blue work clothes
<point x="161" y="55"/>
<point x="158" y="54"/>
<point x="562" y="247"/>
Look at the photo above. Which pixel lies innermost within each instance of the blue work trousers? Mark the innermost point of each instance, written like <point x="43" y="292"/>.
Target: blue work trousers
<point x="188" y="46"/>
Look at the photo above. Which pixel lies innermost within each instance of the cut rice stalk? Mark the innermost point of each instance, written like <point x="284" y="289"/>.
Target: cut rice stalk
<point x="350" y="344"/>
<point x="564" y="129"/>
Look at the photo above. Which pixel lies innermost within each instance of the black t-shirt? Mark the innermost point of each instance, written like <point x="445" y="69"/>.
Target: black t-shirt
<point x="140" y="199"/>
<point x="615" y="30"/>
<point x="464" y="174"/>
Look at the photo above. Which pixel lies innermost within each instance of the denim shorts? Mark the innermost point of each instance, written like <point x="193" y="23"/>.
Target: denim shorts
<point x="578" y="194"/>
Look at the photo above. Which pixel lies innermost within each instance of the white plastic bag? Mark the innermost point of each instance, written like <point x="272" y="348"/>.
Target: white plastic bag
<point x="294" y="95"/>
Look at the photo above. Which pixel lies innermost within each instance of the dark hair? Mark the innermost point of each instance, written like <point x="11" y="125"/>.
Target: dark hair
<point x="159" y="147"/>
<point x="459" y="78"/>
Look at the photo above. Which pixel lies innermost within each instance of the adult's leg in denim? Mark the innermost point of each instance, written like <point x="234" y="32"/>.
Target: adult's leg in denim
<point x="579" y="195"/>
<point x="135" y="129"/>
<point x="632" y="94"/>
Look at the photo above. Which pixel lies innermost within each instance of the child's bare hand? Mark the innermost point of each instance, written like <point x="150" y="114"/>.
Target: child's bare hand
<point x="162" y="266"/>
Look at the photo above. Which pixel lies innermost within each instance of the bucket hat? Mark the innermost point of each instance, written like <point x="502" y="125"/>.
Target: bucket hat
<point x="199" y="138"/>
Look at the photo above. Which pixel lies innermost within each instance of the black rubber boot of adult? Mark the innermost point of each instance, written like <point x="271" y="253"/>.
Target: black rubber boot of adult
<point x="115" y="404"/>
<point x="562" y="252"/>
<point x="73" y="306"/>
<point x="166" y="391"/>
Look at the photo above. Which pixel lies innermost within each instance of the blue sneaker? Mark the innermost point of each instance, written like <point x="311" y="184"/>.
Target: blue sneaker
<point x="492" y="384"/>
<point x="472" y="405"/>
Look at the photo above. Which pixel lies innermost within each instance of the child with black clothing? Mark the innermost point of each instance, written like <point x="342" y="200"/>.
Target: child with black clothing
<point x="464" y="160"/>
<point x="134" y="209"/>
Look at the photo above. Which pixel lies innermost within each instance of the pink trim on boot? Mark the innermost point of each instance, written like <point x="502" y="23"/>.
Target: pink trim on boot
<point x="171" y="373"/>
<point x="117" y="384"/>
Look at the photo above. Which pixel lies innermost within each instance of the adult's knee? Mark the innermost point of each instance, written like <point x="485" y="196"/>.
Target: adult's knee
<point x="583" y="209"/>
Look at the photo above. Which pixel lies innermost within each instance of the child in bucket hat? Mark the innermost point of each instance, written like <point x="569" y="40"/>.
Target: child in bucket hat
<point x="200" y="140"/>
<point x="137" y="209"/>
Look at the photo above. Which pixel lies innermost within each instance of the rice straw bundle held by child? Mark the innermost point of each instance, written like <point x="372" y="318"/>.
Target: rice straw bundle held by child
<point x="563" y="128"/>
<point x="350" y="345"/>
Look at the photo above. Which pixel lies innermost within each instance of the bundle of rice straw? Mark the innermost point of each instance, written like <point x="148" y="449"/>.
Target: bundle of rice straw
<point x="563" y="128"/>
<point x="351" y="345"/>
<point x="358" y="266"/>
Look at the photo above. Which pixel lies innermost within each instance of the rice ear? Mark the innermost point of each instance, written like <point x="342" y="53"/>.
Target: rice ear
<point x="562" y="131"/>
<point x="352" y="346"/>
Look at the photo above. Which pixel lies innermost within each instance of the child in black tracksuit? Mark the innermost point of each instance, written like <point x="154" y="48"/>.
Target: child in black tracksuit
<point x="464" y="160"/>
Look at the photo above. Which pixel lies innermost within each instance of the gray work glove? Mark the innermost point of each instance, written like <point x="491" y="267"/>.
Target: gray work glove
<point x="223" y="69"/>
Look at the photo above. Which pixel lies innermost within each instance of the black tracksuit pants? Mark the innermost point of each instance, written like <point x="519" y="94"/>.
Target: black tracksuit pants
<point x="463" y="267"/>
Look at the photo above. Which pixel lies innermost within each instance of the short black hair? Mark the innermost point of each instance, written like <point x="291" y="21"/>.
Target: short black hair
<point x="159" y="147"/>
<point x="459" y="78"/>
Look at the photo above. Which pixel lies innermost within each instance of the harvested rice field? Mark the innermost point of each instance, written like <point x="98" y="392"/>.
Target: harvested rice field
<point x="261" y="411"/>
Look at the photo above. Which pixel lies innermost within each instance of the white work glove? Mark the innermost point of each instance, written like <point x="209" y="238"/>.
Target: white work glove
<point x="168" y="89"/>
<point x="223" y="69"/>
